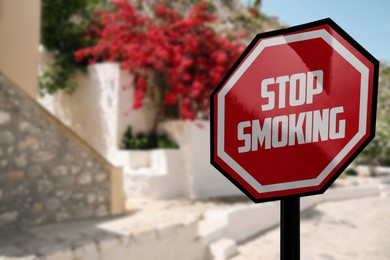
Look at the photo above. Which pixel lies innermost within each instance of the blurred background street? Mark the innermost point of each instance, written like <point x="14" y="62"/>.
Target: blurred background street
<point x="347" y="230"/>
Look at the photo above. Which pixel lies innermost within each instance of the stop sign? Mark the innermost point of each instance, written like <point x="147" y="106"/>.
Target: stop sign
<point x="294" y="110"/>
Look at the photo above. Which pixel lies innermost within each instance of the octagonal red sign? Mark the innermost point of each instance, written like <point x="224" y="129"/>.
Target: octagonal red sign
<point x="294" y="110"/>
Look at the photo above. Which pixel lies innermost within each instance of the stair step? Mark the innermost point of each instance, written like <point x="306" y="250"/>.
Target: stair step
<point x="223" y="249"/>
<point x="211" y="230"/>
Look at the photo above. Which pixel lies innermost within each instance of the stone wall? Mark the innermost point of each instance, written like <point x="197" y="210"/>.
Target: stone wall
<point x="47" y="174"/>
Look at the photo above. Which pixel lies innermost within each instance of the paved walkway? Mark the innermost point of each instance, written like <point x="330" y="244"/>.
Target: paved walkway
<point x="356" y="229"/>
<point x="352" y="229"/>
<point x="168" y="224"/>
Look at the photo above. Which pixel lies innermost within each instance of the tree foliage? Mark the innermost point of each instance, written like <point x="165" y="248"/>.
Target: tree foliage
<point x="378" y="151"/>
<point x="63" y="31"/>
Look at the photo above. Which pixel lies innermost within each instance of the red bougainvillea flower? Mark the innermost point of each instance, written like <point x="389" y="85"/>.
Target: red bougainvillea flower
<point x="180" y="54"/>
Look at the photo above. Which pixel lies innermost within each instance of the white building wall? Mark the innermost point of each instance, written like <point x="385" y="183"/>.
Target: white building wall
<point x="100" y="110"/>
<point x="203" y="179"/>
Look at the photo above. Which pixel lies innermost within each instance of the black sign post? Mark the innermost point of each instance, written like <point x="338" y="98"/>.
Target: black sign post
<point x="290" y="229"/>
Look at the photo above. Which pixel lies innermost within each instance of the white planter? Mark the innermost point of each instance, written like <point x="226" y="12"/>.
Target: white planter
<point x="134" y="159"/>
<point x="165" y="159"/>
<point x="169" y="164"/>
<point x="155" y="159"/>
<point x="164" y="178"/>
<point x="204" y="181"/>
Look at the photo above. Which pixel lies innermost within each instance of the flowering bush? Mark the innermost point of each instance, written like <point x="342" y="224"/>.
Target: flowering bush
<point x="176" y="60"/>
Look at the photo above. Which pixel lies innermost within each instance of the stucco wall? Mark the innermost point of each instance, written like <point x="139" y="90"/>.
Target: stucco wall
<point x="203" y="179"/>
<point x="103" y="99"/>
<point x="46" y="173"/>
<point x="19" y="41"/>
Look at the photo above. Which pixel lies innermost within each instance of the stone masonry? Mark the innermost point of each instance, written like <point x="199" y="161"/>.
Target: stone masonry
<point x="46" y="173"/>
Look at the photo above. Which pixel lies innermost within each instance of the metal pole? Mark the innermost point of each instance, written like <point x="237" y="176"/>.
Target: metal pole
<point x="290" y="229"/>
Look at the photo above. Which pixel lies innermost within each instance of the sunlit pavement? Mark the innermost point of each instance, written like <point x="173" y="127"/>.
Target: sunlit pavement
<point x="352" y="229"/>
<point x="346" y="229"/>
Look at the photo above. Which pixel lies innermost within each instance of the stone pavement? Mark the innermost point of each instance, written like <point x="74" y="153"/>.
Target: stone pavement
<point x="357" y="229"/>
